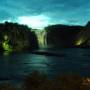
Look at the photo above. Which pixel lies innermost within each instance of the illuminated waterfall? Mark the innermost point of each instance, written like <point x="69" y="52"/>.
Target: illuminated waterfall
<point x="41" y="36"/>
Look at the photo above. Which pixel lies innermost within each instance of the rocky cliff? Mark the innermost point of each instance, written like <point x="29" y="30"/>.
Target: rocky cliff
<point x="17" y="37"/>
<point x="62" y="35"/>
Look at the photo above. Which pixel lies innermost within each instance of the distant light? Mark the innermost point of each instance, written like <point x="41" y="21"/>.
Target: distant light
<point x="5" y="37"/>
<point x="79" y="42"/>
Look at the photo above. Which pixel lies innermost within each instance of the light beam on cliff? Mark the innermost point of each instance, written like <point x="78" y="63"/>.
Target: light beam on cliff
<point x="79" y="42"/>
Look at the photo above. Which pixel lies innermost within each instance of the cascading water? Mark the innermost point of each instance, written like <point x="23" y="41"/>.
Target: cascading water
<point x="41" y="36"/>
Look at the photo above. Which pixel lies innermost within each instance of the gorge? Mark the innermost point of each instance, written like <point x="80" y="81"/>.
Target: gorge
<point x="15" y="37"/>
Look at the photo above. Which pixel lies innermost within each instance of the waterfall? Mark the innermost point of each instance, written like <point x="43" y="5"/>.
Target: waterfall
<point x="41" y="36"/>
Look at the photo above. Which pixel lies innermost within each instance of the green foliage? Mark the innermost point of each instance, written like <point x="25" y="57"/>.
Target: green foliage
<point x="5" y="44"/>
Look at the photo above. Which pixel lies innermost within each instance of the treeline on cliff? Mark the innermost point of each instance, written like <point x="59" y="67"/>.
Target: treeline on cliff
<point x="17" y="37"/>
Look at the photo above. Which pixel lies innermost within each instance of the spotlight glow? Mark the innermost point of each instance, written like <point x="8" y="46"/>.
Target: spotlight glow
<point x="79" y="42"/>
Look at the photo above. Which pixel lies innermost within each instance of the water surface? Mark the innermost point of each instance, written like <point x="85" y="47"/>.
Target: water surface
<point x="15" y="66"/>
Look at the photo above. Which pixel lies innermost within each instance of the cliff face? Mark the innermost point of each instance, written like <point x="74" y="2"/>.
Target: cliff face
<point x="62" y="35"/>
<point x="83" y="37"/>
<point x="17" y="37"/>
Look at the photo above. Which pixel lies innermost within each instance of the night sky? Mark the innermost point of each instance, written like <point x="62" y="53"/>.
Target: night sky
<point x="40" y="13"/>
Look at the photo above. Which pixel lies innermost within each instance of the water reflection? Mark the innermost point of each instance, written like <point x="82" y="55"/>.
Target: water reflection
<point x="17" y="65"/>
<point x="39" y="63"/>
<point x="22" y="64"/>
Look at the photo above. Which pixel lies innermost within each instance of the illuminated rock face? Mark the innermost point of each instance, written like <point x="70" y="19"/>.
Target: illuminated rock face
<point x="80" y="41"/>
<point x="83" y="37"/>
<point x="5" y="44"/>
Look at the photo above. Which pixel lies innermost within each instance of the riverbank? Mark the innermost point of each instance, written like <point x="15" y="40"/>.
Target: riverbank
<point x="38" y="81"/>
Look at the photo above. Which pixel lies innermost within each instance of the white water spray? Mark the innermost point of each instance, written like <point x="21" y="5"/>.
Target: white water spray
<point x="41" y="36"/>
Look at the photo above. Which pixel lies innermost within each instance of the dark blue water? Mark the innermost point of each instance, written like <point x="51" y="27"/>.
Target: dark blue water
<point x="15" y="66"/>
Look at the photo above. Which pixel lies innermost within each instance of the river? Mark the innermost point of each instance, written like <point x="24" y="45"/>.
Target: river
<point x="14" y="67"/>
